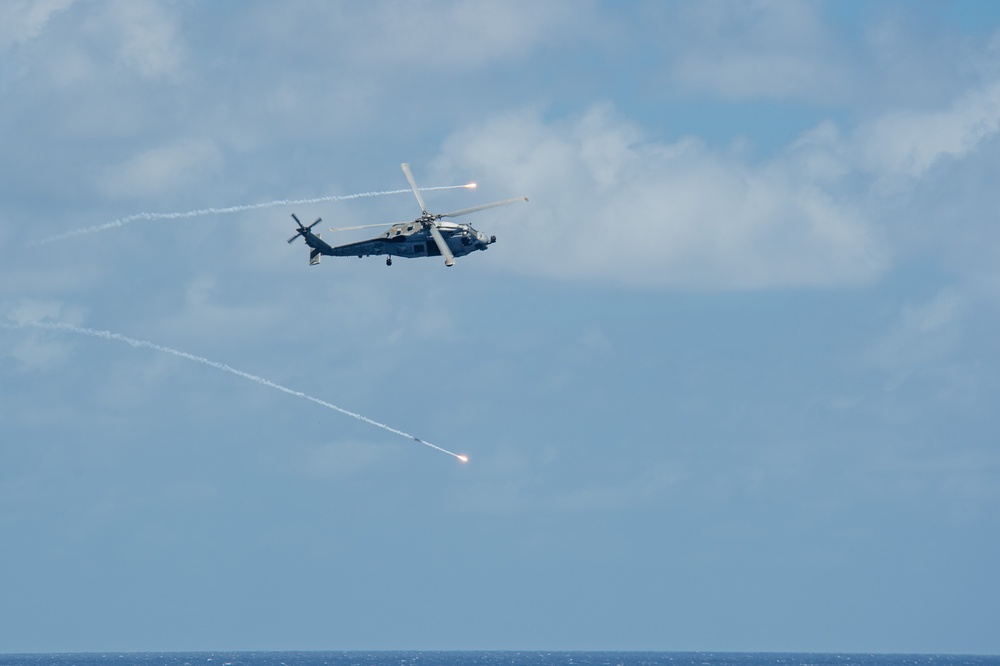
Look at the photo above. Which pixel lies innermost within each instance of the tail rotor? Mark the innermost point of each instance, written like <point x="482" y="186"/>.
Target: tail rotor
<point x="303" y="230"/>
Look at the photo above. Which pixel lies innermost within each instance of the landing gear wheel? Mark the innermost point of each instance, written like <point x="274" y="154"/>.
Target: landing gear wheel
<point x="388" y="261"/>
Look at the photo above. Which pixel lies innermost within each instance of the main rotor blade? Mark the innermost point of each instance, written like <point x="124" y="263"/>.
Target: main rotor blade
<point x="449" y="258"/>
<point x="413" y="184"/>
<point x="475" y="209"/>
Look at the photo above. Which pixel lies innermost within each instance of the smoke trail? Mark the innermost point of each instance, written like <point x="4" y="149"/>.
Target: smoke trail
<point x="108" y="335"/>
<point x="128" y="219"/>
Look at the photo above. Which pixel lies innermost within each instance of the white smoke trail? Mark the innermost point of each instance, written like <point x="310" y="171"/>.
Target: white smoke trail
<point x="128" y="219"/>
<point x="108" y="335"/>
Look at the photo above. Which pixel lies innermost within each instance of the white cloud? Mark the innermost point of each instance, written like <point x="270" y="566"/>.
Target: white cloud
<point x="205" y="309"/>
<point x="608" y="205"/>
<point x="147" y="38"/>
<point x="30" y="310"/>
<point x="92" y="44"/>
<point x="756" y="49"/>
<point x="23" y="20"/>
<point x="830" y="209"/>
<point x="936" y="349"/>
<point x="162" y="169"/>
<point x="31" y="348"/>
<point x="909" y="143"/>
<point x="813" y="52"/>
<point x="417" y="39"/>
<point x="926" y="335"/>
<point x="334" y="68"/>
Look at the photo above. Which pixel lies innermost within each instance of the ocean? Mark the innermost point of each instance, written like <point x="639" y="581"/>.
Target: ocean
<point x="527" y="658"/>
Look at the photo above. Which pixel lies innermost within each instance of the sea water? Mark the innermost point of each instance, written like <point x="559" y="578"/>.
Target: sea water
<point x="488" y="659"/>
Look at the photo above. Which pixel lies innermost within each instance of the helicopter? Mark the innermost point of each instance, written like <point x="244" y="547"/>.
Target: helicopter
<point x="426" y="236"/>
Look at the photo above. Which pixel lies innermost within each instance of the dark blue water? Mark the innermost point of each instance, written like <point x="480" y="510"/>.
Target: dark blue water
<point x="489" y="659"/>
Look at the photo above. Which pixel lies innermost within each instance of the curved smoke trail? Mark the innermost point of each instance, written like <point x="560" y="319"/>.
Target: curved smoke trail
<point x="128" y="219"/>
<point x="108" y="335"/>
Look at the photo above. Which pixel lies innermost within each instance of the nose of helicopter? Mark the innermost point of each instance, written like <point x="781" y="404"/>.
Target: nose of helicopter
<point x="483" y="241"/>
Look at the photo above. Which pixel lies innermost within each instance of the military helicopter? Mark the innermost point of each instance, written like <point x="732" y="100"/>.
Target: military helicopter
<point x="426" y="236"/>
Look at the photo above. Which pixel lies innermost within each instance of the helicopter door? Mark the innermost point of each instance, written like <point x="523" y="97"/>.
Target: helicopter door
<point x="432" y="250"/>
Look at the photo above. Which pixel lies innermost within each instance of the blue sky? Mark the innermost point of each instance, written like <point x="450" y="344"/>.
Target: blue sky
<point x="727" y="382"/>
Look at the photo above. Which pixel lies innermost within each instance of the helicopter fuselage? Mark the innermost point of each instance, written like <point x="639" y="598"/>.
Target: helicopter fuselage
<point x="406" y="239"/>
<point x="426" y="236"/>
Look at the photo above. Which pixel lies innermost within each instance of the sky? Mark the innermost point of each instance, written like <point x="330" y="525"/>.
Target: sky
<point x="728" y="381"/>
